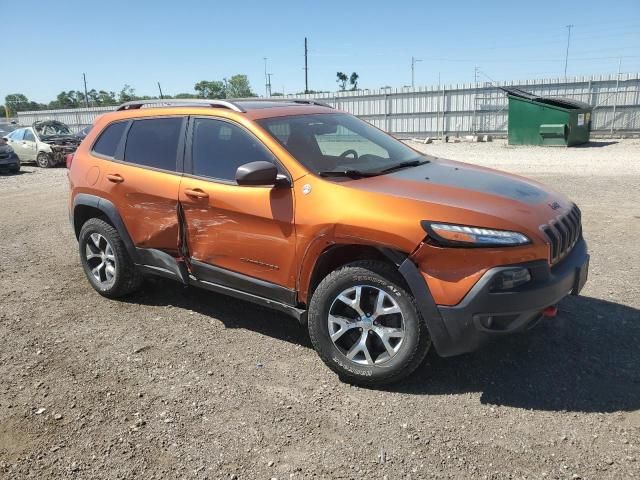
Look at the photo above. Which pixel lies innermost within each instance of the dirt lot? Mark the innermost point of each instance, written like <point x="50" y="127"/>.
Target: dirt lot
<point x="180" y="383"/>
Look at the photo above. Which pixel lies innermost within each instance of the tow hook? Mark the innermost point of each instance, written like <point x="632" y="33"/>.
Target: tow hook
<point x="551" y="311"/>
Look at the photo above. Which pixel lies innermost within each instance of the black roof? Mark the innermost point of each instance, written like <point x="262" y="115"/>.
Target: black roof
<point x="551" y="101"/>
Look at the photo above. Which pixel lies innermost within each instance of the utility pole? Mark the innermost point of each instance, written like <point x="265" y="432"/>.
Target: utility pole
<point x="475" y="92"/>
<point x="86" y="97"/>
<point x="269" y="83"/>
<point x="306" y="68"/>
<point x="566" y="57"/>
<point x="438" y="110"/>
<point x="615" y="98"/>
<point x="160" y="88"/>
<point x="266" y="79"/>
<point x="413" y="70"/>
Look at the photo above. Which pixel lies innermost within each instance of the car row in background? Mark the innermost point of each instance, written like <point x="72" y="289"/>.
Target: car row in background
<point x="46" y="142"/>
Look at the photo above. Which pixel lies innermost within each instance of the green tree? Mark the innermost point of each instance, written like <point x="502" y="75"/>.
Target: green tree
<point x="210" y="89"/>
<point x="185" y="95"/>
<point x="3" y="112"/>
<point x="127" y="94"/>
<point x="70" y="99"/>
<point x="105" y="99"/>
<point x="238" y="87"/>
<point x="353" y="81"/>
<point x="341" y="79"/>
<point x="16" y="102"/>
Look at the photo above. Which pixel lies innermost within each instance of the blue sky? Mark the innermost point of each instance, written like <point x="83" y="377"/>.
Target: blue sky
<point x="179" y="43"/>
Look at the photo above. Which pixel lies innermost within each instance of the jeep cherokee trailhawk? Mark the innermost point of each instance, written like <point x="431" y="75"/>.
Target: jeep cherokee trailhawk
<point x="379" y="249"/>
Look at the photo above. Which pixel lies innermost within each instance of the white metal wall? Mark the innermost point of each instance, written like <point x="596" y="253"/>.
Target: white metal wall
<point x="452" y="109"/>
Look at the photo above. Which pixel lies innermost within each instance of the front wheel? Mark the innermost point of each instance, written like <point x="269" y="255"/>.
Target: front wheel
<point x="44" y="160"/>
<point x="365" y="326"/>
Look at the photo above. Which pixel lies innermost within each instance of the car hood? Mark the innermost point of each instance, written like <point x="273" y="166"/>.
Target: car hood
<point x="456" y="192"/>
<point x="61" y="139"/>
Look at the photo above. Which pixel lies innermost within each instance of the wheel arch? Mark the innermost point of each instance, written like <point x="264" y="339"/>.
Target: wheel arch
<point x="86" y="206"/>
<point x="337" y="255"/>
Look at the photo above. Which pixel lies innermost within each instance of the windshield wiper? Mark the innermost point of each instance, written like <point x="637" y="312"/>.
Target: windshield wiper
<point x="347" y="173"/>
<point x="408" y="163"/>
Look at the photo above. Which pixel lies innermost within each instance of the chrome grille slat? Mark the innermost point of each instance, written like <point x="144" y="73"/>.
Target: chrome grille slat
<point x="563" y="233"/>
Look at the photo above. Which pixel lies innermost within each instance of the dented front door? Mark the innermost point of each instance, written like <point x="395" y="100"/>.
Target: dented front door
<point x="232" y="231"/>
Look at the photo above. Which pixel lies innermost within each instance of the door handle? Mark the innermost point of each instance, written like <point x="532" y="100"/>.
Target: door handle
<point x="115" y="178"/>
<point x="196" y="192"/>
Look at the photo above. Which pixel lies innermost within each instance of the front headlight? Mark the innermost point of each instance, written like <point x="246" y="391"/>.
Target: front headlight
<point x="464" y="235"/>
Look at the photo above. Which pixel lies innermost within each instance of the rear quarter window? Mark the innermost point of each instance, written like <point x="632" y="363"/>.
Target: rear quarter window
<point x="109" y="139"/>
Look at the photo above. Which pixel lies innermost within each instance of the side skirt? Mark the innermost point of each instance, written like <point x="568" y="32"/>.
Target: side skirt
<point x="157" y="262"/>
<point x="160" y="263"/>
<point x="297" y="313"/>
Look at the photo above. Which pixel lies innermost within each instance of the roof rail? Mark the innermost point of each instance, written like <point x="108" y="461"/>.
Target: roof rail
<point x="312" y="102"/>
<point x="181" y="102"/>
<point x="282" y="100"/>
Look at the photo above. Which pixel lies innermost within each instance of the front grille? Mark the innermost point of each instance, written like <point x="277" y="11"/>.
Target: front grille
<point x="563" y="233"/>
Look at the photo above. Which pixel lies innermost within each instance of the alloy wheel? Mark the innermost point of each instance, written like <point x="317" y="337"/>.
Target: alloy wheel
<point x="366" y="324"/>
<point x="100" y="259"/>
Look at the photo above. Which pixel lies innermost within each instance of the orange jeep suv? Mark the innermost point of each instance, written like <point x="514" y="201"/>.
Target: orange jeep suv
<point x="379" y="249"/>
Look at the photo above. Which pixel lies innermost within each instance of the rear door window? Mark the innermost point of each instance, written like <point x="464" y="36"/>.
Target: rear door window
<point x="154" y="142"/>
<point x="109" y="139"/>
<point x="17" y="134"/>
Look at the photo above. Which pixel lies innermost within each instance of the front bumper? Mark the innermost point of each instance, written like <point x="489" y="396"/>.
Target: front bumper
<point x="9" y="162"/>
<point x="484" y="314"/>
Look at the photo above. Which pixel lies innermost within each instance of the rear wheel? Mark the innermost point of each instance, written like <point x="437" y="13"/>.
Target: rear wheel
<point x="365" y="326"/>
<point x="44" y="160"/>
<point x="106" y="261"/>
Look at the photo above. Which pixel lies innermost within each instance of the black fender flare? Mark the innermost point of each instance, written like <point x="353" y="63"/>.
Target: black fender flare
<point x="424" y="300"/>
<point x="111" y="212"/>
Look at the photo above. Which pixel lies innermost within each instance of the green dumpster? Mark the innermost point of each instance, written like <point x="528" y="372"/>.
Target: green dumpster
<point x="537" y="120"/>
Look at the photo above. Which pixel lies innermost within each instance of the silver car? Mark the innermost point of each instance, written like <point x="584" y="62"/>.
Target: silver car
<point x="47" y="143"/>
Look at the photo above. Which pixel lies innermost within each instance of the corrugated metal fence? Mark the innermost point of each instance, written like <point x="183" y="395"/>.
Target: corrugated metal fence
<point x="449" y="109"/>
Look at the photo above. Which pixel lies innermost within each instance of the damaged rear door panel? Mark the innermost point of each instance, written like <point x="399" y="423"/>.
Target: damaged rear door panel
<point x="143" y="183"/>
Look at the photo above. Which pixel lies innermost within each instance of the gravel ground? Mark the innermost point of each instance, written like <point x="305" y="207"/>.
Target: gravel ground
<point x="181" y="383"/>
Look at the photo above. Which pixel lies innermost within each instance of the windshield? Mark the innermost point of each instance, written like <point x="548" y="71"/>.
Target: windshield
<point x="338" y="142"/>
<point x="53" y="128"/>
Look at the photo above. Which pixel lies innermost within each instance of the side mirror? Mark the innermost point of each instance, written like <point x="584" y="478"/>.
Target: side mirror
<point x="259" y="174"/>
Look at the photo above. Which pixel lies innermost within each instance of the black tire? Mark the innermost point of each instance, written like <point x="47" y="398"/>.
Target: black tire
<point x="381" y="276"/>
<point x="126" y="278"/>
<point x="15" y="169"/>
<point x="44" y="160"/>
